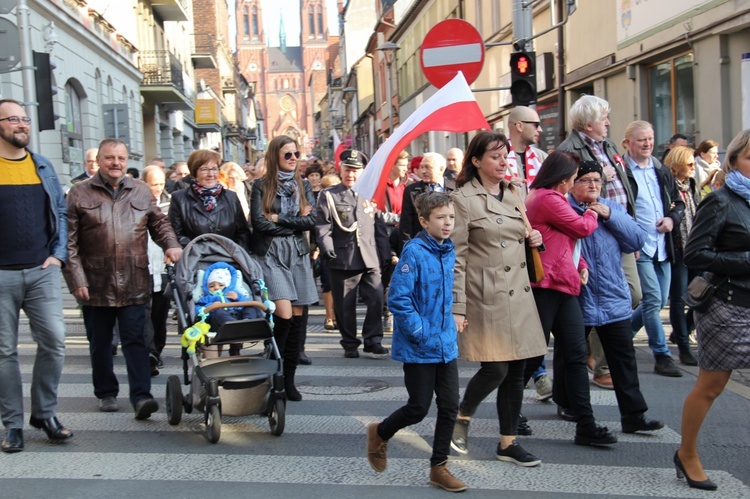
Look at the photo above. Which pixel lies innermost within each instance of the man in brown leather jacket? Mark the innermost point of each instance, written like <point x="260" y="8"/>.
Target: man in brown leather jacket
<point x="109" y="220"/>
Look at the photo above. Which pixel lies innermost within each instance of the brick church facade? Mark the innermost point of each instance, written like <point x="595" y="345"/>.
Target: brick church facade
<point x="290" y="81"/>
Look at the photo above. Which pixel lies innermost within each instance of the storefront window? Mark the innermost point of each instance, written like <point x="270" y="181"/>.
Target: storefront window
<point x="671" y="102"/>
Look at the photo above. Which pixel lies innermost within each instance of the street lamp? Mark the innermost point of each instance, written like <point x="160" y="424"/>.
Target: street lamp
<point x="389" y="52"/>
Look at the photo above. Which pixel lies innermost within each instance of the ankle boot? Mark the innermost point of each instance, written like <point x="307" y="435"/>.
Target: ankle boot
<point x="291" y="391"/>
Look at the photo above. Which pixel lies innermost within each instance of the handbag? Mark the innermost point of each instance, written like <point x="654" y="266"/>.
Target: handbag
<point x="533" y="258"/>
<point x="699" y="293"/>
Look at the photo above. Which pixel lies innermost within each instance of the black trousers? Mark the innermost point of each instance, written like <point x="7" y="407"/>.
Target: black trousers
<point x="507" y="379"/>
<point x="155" y="329"/>
<point x="422" y="380"/>
<point x="617" y="342"/>
<point x="99" y="322"/>
<point x="344" y="284"/>
<point x="561" y="314"/>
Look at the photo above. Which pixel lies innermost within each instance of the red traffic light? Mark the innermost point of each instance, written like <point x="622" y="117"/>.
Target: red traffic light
<point x="522" y="65"/>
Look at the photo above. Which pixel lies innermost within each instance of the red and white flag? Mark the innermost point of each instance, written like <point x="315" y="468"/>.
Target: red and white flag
<point x="453" y="108"/>
<point x="338" y="148"/>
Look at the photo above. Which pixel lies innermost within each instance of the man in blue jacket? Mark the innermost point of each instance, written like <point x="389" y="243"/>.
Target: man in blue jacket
<point x="31" y="258"/>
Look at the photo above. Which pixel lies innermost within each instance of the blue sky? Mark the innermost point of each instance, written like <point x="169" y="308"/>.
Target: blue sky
<point x="290" y="9"/>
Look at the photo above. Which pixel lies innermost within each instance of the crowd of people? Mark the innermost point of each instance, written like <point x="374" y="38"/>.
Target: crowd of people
<point x="481" y="254"/>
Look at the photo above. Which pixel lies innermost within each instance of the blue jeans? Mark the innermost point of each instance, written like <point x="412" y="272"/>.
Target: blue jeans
<point x="38" y="291"/>
<point x="100" y="322"/>
<point x="682" y="322"/>
<point x="655" y="280"/>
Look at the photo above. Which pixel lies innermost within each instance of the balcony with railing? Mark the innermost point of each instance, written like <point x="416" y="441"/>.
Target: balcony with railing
<point x="163" y="79"/>
<point x="171" y="10"/>
<point x="204" y="51"/>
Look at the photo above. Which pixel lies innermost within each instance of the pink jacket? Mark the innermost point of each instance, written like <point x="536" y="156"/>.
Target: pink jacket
<point x="550" y="213"/>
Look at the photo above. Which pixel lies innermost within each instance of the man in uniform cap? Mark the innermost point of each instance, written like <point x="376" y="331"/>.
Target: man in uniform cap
<point x="352" y="237"/>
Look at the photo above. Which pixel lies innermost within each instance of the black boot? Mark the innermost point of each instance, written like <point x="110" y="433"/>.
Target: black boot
<point x="291" y="358"/>
<point x="281" y="333"/>
<point x="303" y="359"/>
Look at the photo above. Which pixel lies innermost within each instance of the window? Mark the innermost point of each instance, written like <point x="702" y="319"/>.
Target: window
<point x="74" y="125"/>
<point x="255" y="23"/>
<point x="311" y="20"/>
<point x="671" y="102"/>
<point x="246" y="24"/>
<point x="320" y="21"/>
<point x="495" y="17"/>
<point x="478" y="16"/>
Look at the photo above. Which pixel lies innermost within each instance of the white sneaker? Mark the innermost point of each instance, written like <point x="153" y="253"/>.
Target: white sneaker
<point x="388" y="324"/>
<point x="543" y="388"/>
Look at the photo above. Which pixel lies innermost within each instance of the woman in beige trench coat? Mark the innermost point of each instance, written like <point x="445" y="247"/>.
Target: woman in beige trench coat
<point x="492" y="298"/>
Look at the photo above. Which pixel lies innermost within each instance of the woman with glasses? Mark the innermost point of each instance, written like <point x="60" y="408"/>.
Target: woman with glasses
<point x="206" y="207"/>
<point x="605" y="299"/>
<point x="281" y="213"/>
<point x="682" y="162"/>
<point x="556" y="295"/>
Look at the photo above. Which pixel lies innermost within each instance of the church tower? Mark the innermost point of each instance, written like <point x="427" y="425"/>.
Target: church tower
<point x="314" y="42"/>
<point x="251" y="39"/>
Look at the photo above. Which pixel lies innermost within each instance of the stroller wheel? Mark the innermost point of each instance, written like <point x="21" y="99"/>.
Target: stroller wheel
<point x="277" y="418"/>
<point x="213" y="424"/>
<point x="174" y="400"/>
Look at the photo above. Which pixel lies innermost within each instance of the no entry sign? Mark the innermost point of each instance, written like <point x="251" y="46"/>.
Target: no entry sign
<point x="451" y="46"/>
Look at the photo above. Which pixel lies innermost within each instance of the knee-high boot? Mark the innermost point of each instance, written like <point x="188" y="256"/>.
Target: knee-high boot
<point x="281" y="333"/>
<point x="291" y="359"/>
<point x="303" y="359"/>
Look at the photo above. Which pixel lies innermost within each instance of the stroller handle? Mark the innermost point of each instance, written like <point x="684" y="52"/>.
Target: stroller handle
<point x="235" y="304"/>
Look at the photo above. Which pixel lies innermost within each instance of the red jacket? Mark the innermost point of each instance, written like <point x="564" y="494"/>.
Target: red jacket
<point x="550" y="213"/>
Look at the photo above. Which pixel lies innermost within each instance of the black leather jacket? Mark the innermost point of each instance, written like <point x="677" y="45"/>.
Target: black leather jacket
<point x="720" y="241"/>
<point x="265" y="230"/>
<point x="190" y="219"/>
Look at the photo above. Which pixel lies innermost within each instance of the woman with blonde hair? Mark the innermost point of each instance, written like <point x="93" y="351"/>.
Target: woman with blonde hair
<point x="233" y="178"/>
<point x="718" y="246"/>
<point x="281" y="213"/>
<point x="682" y="164"/>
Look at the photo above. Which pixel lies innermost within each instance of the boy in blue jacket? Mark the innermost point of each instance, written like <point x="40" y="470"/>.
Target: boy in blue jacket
<point x="424" y="338"/>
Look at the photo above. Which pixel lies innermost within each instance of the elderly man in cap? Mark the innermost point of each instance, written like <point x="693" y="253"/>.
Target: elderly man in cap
<point x="352" y="237"/>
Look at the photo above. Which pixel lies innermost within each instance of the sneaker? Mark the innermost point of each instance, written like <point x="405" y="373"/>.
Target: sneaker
<point x="523" y="426"/>
<point x="665" y="367"/>
<point x="460" y="439"/>
<point x="604" y="381"/>
<point x="388" y="323"/>
<point x="543" y="388"/>
<point x="160" y="363"/>
<point x="688" y="359"/>
<point x="594" y="435"/>
<point x="108" y="404"/>
<point x="351" y="354"/>
<point x="440" y="477"/>
<point x="114" y="350"/>
<point x="376" y="351"/>
<point x="144" y="408"/>
<point x="516" y="454"/>
<point x="377" y="449"/>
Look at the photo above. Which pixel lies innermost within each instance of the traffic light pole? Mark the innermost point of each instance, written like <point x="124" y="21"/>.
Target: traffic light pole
<point x="27" y="72"/>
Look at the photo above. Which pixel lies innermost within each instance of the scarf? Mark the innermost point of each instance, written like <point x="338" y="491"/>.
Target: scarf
<point x="686" y="224"/>
<point x="207" y="195"/>
<point x="739" y="184"/>
<point x="531" y="168"/>
<point x="288" y="190"/>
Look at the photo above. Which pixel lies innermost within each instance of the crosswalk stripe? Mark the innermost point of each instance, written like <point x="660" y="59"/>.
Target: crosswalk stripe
<point x="335" y="425"/>
<point x="401" y="472"/>
<point x="366" y="391"/>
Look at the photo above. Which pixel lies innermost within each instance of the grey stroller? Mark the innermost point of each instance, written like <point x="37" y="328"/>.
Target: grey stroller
<point x="229" y="386"/>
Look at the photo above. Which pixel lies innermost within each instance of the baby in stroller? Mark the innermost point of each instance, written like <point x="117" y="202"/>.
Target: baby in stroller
<point x="220" y="284"/>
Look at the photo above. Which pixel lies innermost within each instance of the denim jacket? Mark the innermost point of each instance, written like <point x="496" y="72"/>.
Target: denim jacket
<point x="58" y="215"/>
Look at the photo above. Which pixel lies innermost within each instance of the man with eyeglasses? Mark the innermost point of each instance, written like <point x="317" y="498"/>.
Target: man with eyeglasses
<point x="525" y="159"/>
<point x="589" y="117"/>
<point x="110" y="218"/>
<point x="90" y="167"/>
<point x="31" y="256"/>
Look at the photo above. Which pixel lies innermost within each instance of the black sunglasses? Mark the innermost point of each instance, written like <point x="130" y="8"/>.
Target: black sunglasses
<point x="289" y="155"/>
<point x="535" y="123"/>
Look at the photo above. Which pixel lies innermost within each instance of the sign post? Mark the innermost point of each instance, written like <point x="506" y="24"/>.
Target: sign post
<point x="451" y="46"/>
